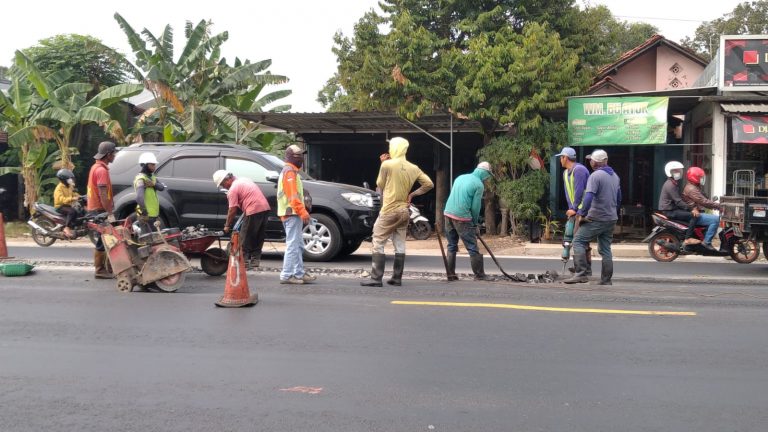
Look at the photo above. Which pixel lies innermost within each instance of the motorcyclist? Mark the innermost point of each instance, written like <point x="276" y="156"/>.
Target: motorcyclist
<point x="671" y="202"/>
<point x="695" y="198"/>
<point x="65" y="198"/>
<point x="146" y="186"/>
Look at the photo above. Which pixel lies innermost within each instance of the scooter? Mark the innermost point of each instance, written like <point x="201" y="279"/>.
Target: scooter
<point x="418" y="225"/>
<point x="48" y="224"/>
<point x="665" y="242"/>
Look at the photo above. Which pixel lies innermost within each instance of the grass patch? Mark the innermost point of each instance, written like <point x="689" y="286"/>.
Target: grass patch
<point x="16" y="229"/>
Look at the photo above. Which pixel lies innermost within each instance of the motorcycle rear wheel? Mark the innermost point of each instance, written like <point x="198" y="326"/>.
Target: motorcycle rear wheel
<point x="40" y="238"/>
<point x="660" y="253"/>
<point x="744" y="251"/>
<point x="420" y="230"/>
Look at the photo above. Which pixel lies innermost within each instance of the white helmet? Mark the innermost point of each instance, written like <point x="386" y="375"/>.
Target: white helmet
<point x="219" y="176"/>
<point x="672" y="165"/>
<point x="147" y="158"/>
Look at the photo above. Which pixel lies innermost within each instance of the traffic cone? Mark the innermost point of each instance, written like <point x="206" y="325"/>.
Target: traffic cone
<point x="3" y="245"/>
<point x="236" y="292"/>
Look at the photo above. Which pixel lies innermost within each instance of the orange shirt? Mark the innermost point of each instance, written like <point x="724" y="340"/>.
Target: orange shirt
<point x="99" y="176"/>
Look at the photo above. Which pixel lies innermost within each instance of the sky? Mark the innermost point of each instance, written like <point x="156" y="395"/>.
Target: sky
<point x="296" y="34"/>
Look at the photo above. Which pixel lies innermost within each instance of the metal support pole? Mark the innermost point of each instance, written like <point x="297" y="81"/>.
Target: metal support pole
<point x="450" y="180"/>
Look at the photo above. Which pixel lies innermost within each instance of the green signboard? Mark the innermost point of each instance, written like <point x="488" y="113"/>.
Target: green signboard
<point x="617" y="120"/>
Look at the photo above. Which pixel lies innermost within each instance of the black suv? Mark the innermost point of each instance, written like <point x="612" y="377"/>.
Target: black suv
<point x="345" y="214"/>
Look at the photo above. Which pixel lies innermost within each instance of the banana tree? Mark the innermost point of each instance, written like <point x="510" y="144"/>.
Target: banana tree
<point x="195" y="96"/>
<point x="67" y="106"/>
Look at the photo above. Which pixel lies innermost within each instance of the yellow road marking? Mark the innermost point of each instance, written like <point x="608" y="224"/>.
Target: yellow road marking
<point x="541" y="308"/>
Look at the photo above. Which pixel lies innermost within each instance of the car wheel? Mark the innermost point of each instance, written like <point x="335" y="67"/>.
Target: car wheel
<point x="322" y="239"/>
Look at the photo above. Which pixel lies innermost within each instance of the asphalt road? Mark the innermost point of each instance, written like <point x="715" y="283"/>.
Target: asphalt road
<point x="77" y="355"/>
<point x="700" y="269"/>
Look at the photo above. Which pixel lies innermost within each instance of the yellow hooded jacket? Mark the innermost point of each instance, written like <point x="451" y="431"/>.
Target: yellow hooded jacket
<point x="397" y="176"/>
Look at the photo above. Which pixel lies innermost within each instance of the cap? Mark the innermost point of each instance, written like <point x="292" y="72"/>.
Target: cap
<point x="598" y="156"/>
<point x="293" y="149"/>
<point x="105" y="148"/>
<point x="484" y="166"/>
<point x="568" y="152"/>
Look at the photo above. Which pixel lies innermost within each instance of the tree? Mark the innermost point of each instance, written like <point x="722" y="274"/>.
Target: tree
<point x="498" y="62"/>
<point x="67" y="105"/>
<point x="85" y="58"/>
<point x="750" y="17"/>
<point x="196" y="94"/>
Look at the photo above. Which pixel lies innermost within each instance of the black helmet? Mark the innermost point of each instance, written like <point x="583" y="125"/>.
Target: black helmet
<point x="64" y="175"/>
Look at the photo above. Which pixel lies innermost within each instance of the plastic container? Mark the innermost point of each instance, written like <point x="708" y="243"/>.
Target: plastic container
<point x="15" y="269"/>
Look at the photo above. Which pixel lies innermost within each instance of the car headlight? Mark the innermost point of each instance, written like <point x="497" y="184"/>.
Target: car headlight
<point x="359" y="199"/>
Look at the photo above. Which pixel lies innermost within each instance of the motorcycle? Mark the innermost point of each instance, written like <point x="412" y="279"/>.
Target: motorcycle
<point x="665" y="242"/>
<point x="418" y="225"/>
<point x="48" y="224"/>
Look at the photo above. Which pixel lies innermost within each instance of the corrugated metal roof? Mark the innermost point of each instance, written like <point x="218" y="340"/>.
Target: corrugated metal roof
<point x="745" y="107"/>
<point x="358" y="122"/>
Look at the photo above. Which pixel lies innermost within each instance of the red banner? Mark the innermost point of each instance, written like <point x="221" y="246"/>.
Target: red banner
<point x="750" y="129"/>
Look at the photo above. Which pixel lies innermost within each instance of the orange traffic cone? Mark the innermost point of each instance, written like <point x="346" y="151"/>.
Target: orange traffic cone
<point x="236" y="292"/>
<point x="3" y="245"/>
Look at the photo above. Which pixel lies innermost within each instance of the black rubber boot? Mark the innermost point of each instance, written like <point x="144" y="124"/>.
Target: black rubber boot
<point x="476" y="261"/>
<point x="606" y="273"/>
<point x="451" y="259"/>
<point x="397" y="270"/>
<point x="588" y="270"/>
<point x="377" y="271"/>
<point x="580" y="263"/>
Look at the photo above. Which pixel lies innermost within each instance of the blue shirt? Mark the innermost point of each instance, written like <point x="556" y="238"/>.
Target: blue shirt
<point x="602" y="195"/>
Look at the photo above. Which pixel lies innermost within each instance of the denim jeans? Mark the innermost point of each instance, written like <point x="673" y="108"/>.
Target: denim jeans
<point x="600" y="230"/>
<point x="455" y="230"/>
<point x="293" y="260"/>
<point x="712" y="222"/>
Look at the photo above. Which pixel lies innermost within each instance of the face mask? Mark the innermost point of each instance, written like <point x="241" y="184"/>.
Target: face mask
<point x="70" y="182"/>
<point x="677" y="176"/>
<point x="703" y="181"/>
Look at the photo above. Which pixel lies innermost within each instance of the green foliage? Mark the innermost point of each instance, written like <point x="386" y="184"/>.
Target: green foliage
<point x="196" y="94"/>
<point x="749" y="17"/>
<point x="84" y="58"/>
<point x="4" y="72"/>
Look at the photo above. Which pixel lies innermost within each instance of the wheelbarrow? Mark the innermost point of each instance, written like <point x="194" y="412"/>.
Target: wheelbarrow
<point x="151" y="259"/>
<point x="196" y="241"/>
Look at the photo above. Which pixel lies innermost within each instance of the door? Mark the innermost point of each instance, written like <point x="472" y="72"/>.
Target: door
<point x="197" y="200"/>
<point x="258" y="172"/>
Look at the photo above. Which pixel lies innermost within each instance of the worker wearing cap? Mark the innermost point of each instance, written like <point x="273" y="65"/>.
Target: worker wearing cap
<point x="99" y="192"/>
<point x="461" y="217"/>
<point x="575" y="177"/>
<point x="396" y="179"/>
<point x="245" y="195"/>
<point x="294" y="214"/>
<point x="598" y="214"/>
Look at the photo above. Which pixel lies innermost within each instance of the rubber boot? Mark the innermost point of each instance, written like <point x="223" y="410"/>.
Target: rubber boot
<point x="476" y="261"/>
<point x="451" y="272"/>
<point x="397" y="270"/>
<point x="606" y="273"/>
<point x="377" y="271"/>
<point x="100" y="265"/>
<point x="580" y="263"/>
<point x="588" y="271"/>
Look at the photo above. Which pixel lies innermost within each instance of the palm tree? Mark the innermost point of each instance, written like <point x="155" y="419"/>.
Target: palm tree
<point x="196" y="95"/>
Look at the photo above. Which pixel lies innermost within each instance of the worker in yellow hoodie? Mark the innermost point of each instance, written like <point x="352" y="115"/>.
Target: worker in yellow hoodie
<point x="396" y="179"/>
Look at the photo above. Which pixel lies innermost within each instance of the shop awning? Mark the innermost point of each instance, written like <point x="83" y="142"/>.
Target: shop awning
<point x="738" y="108"/>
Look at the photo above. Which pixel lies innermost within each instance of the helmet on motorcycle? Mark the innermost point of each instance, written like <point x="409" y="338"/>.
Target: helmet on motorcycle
<point x="694" y="175"/>
<point x="147" y="158"/>
<point x="64" y="175"/>
<point x="672" y="165"/>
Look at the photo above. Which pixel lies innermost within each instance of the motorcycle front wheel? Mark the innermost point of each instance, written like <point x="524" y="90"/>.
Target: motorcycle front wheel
<point x="420" y="230"/>
<point x="664" y="247"/>
<point x="40" y="238"/>
<point x="744" y="251"/>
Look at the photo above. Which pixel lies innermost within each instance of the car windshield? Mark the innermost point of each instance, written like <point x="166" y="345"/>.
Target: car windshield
<point x="279" y="163"/>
